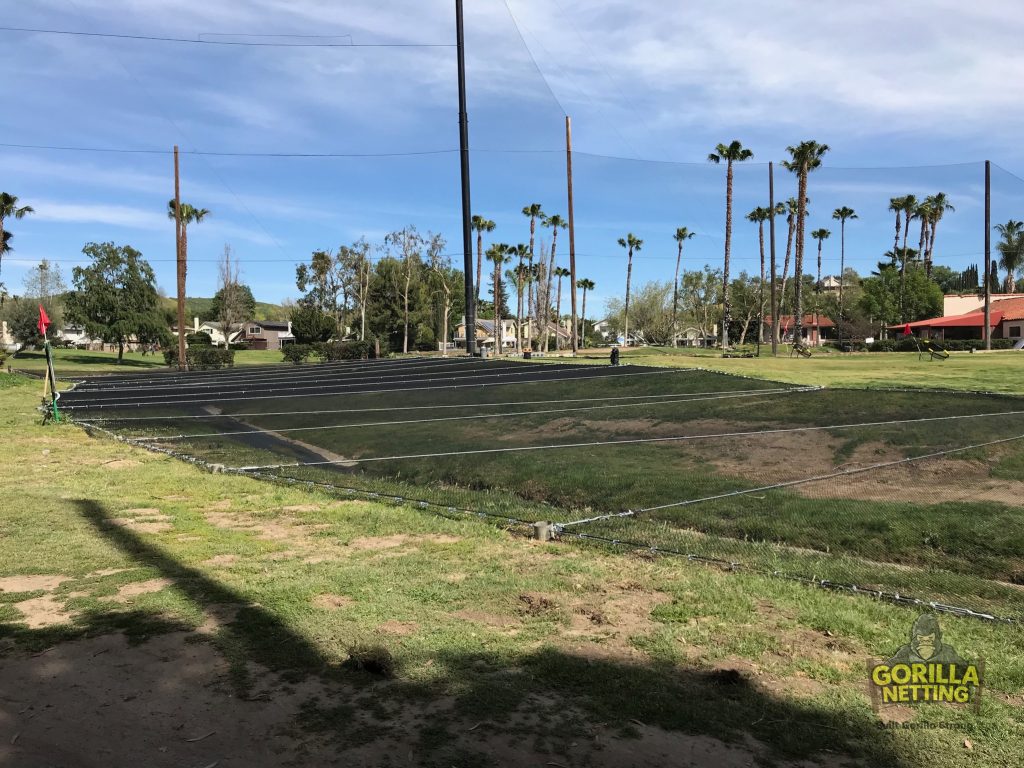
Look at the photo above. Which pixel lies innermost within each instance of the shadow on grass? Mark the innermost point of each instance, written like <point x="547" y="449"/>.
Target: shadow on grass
<point x="548" y="702"/>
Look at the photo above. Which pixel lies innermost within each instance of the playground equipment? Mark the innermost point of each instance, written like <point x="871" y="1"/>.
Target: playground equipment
<point x="934" y="350"/>
<point x="799" y="348"/>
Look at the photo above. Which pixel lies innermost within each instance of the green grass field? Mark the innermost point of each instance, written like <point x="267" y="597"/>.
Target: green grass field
<point x="286" y="622"/>
<point x="982" y="371"/>
<point x="949" y="529"/>
<point x="70" y="363"/>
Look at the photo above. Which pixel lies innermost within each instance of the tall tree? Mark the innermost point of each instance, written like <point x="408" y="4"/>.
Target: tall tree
<point x="115" y="297"/>
<point x="1011" y="250"/>
<point x="759" y="216"/>
<point x="521" y="275"/>
<point x="498" y="254"/>
<point x="534" y="212"/>
<point x="734" y="152"/>
<point x="821" y="235"/>
<point x="896" y="206"/>
<point x="940" y="205"/>
<point x="189" y="214"/>
<point x="442" y="274"/>
<point x="554" y="222"/>
<point x="681" y="236"/>
<point x="560" y="272"/>
<point x="584" y="285"/>
<point x="9" y="209"/>
<point x="842" y="215"/>
<point x="480" y="225"/>
<point x="803" y="158"/>
<point x="631" y="243"/>
<point x="407" y="246"/>
<point x="909" y="206"/>
<point x="233" y="303"/>
<point x="791" y="209"/>
<point x="357" y="256"/>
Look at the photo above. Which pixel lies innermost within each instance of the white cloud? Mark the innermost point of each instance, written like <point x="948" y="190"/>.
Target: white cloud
<point x="98" y="213"/>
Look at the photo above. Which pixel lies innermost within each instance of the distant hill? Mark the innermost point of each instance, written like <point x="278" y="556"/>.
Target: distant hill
<point x="196" y="306"/>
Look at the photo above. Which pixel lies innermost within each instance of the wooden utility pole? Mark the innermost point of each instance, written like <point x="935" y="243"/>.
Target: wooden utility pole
<point x="771" y="236"/>
<point x="467" y="226"/>
<point x="988" y="254"/>
<point x="572" y="236"/>
<point x="180" y="262"/>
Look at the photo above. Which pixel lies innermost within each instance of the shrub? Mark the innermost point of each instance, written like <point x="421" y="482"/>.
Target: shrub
<point x="201" y="358"/>
<point x="296" y="353"/>
<point x="238" y="345"/>
<point x="310" y="325"/>
<point x="331" y="351"/>
<point x="199" y="339"/>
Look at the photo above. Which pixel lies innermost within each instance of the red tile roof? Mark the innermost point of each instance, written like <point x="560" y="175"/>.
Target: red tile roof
<point x="787" y="320"/>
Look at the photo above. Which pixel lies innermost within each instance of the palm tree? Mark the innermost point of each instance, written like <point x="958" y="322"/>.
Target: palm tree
<point x="821" y="235"/>
<point x="555" y="222"/>
<point x="1011" y="250"/>
<point x="521" y="274"/>
<point x="732" y="153"/>
<point x="759" y="216"/>
<point x="842" y="215"/>
<point x="189" y="214"/>
<point x="9" y="209"/>
<point x="896" y="206"/>
<point x="681" y="236"/>
<point x="923" y="213"/>
<point x="791" y="209"/>
<point x="533" y="212"/>
<point x="559" y="272"/>
<point x="585" y="285"/>
<point x="498" y="254"/>
<point x="939" y="205"/>
<point x="5" y="246"/>
<point x="804" y="158"/>
<point x="631" y="243"/>
<point x="480" y="225"/>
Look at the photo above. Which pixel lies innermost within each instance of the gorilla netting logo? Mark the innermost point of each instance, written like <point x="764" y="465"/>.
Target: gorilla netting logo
<point x="926" y="670"/>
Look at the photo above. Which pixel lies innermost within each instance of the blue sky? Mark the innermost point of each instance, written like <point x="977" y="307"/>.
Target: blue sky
<point x="911" y="97"/>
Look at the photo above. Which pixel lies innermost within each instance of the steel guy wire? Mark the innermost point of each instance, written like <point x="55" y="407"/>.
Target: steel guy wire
<point x="444" y="418"/>
<point x="317" y="395"/>
<point x="358" y="381"/>
<point x="728" y="565"/>
<point x="297" y="373"/>
<point x="694" y="396"/>
<point x="840" y="473"/>
<point x="675" y="438"/>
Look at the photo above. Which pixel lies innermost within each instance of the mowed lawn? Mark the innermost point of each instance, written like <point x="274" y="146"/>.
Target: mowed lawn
<point x="153" y="614"/>
<point x="1001" y="371"/>
<point x="69" y="363"/>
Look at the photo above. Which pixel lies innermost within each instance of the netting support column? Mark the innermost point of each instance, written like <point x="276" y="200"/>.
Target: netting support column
<point x="467" y="231"/>
<point x="988" y="255"/>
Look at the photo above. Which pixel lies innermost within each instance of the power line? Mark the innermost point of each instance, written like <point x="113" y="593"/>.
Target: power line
<point x="237" y="43"/>
<point x="129" y="151"/>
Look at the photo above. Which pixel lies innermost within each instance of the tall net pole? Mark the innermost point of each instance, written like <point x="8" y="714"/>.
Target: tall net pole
<point x="988" y="254"/>
<point x="467" y="230"/>
<point x="771" y="236"/>
<point x="180" y="263"/>
<point x="572" y="236"/>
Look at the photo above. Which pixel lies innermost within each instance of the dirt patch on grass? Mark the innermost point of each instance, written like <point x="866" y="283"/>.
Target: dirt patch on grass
<point x="221" y="561"/>
<point x="106" y="572"/>
<point x="142" y="520"/>
<point x="45" y="611"/>
<point x="332" y="602"/>
<point x="301" y="508"/>
<point x="398" y="540"/>
<point x="930" y="481"/>
<point x="217" y="616"/>
<point x="398" y="628"/>
<point x="136" y="588"/>
<point x="31" y="583"/>
<point x="120" y="464"/>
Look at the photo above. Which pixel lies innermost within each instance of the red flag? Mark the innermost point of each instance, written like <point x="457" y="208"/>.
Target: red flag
<point x="906" y="330"/>
<point x="44" y="321"/>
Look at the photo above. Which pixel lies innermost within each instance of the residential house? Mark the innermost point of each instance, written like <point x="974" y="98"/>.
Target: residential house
<point x="1006" y="317"/>
<point x="815" y="329"/>
<point x="486" y="336"/>
<point x="265" y="334"/>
